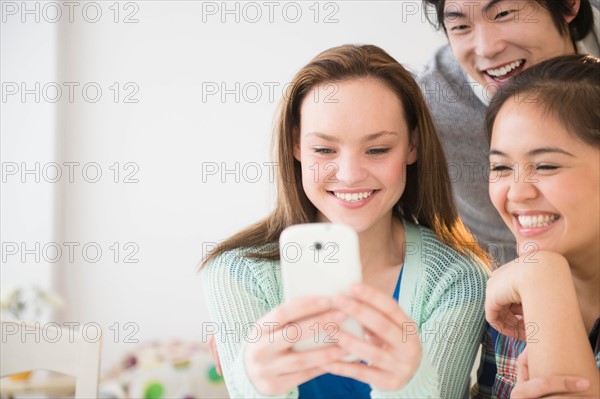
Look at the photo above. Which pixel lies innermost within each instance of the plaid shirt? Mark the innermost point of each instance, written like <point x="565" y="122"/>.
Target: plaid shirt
<point x="498" y="369"/>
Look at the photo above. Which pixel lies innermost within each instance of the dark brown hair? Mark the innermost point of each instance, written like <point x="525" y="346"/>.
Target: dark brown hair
<point x="578" y="28"/>
<point x="427" y="198"/>
<point x="566" y="88"/>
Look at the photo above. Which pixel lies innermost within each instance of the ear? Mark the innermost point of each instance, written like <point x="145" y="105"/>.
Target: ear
<point x="413" y="145"/>
<point x="297" y="150"/>
<point x="574" y="6"/>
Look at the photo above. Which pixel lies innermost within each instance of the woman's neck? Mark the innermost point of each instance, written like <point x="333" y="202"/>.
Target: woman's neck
<point x="382" y="245"/>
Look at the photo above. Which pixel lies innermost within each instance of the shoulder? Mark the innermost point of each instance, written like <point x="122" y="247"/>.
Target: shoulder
<point x="449" y="93"/>
<point x="442" y="68"/>
<point x="441" y="282"/>
<point x="445" y="267"/>
<point x="236" y="270"/>
<point x="437" y="251"/>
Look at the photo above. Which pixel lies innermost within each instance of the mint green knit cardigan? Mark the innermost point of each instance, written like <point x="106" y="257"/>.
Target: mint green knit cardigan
<point x="441" y="290"/>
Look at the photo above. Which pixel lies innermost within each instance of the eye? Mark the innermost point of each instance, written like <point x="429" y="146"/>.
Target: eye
<point x="546" y="167"/>
<point x="498" y="171"/>
<point x="457" y="29"/>
<point x="499" y="167"/>
<point x="503" y="14"/>
<point x="323" y="150"/>
<point x="378" y="151"/>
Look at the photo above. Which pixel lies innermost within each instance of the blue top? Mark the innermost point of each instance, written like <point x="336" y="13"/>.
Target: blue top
<point x="331" y="386"/>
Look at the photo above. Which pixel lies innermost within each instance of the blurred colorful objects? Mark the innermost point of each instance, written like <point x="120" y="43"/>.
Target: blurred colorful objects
<point x="170" y="369"/>
<point x="28" y="302"/>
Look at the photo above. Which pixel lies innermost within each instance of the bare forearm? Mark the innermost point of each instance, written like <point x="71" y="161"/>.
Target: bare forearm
<point x="557" y="340"/>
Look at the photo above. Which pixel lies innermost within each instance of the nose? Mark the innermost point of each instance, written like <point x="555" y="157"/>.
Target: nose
<point x="488" y="40"/>
<point x="523" y="186"/>
<point x="350" y="169"/>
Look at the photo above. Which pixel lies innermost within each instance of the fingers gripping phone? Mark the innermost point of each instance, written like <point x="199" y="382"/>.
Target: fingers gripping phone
<point x="320" y="259"/>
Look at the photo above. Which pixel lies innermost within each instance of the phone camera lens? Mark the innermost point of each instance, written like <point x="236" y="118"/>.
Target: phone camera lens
<point x="318" y="246"/>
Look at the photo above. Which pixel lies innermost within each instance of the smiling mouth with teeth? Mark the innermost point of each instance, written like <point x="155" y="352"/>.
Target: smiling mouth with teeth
<point x="532" y="221"/>
<point x="353" y="197"/>
<point x="504" y="72"/>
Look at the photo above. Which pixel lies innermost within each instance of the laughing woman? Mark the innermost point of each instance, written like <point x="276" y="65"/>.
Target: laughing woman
<point x="545" y="182"/>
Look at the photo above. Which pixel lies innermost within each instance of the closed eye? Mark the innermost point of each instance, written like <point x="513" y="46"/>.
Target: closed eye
<point x="499" y="168"/>
<point x="546" y="167"/>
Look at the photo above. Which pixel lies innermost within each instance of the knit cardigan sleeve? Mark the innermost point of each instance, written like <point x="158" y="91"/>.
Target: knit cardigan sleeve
<point x="239" y="291"/>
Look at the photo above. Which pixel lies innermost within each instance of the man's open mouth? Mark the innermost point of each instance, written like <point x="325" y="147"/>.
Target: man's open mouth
<point x="505" y="72"/>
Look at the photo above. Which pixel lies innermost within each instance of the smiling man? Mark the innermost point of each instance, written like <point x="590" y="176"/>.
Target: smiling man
<point x="491" y="41"/>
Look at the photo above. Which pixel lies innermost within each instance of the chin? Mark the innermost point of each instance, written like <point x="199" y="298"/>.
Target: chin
<point x="357" y="227"/>
<point x="529" y="247"/>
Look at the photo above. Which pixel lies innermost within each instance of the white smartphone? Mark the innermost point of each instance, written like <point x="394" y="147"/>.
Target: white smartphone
<point x="320" y="259"/>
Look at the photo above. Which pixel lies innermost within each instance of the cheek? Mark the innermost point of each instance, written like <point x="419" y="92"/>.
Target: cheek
<point x="498" y="192"/>
<point x="459" y="50"/>
<point x="569" y="196"/>
<point x="317" y="172"/>
<point x="308" y="175"/>
<point x="393" y="172"/>
<point x="528" y="38"/>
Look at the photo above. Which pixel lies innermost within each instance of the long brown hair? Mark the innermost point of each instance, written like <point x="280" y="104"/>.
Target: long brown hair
<point x="427" y="199"/>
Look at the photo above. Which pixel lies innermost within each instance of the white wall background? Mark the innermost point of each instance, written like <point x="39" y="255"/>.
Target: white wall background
<point x="165" y="61"/>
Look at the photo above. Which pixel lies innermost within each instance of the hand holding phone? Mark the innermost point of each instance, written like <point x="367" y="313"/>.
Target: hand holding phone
<point x="320" y="259"/>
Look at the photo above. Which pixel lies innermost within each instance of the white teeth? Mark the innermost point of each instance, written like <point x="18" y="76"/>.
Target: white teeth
<point x="504" y="69"/>
<point x="537" y="220"/>
<point x="354" y="196"/>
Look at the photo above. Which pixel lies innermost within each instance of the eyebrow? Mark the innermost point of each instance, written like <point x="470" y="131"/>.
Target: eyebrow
<point x="461" y="14"/>
<point x="370" y="137"/>
<point x="537" y="151"/>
